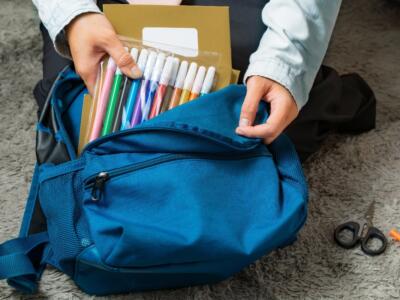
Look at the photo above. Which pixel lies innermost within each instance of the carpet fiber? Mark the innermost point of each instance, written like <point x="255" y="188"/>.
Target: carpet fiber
<point x="344" y="176"/>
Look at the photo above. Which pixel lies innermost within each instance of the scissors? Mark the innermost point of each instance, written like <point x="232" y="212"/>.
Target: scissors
<point x="365" y="237"/>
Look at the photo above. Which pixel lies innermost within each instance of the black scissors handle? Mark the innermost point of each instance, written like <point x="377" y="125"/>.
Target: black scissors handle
<point x="354" y="228"/>
<point x="373" y="233"/>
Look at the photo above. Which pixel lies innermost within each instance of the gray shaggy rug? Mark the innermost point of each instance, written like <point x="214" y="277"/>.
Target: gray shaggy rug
<point x="344" y="176"/>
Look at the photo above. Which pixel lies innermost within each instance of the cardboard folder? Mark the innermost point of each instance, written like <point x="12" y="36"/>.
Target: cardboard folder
<point x="210" y="24"/>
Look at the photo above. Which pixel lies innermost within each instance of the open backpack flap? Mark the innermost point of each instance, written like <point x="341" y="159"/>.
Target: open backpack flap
<point x="177" y="201"/>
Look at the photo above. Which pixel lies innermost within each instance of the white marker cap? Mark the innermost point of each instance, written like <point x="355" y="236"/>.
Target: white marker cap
<point x="141" y="63"/>
<point x="174" y="73"/>
<point x="180" y="78"/>
<point x="167" y="70"/>
<point x="111" y="63"/>
<point x="118" y="71"/>
<point x="198" y="81"/>
<point x="155" y="76"/>
<point x="151" y="61"/>
<point x="135" y="54"/>
<point x="190" y="77"/>
<point x="208" y="81"/>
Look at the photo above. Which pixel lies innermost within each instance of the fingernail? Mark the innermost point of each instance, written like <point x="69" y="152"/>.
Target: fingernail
<point x="136" y="72"/>
<point x="243" y="122"/>
<point x="239" y="130"/>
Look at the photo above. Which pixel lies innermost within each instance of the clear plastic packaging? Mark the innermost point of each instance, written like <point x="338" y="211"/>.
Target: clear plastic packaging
<point x="169" y="79"/>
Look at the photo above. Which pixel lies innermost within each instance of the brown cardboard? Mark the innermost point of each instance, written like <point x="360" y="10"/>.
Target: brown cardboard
<point x="235" y="76"/>
<point x="211" y="22"/>
<point x="87" y="102"/>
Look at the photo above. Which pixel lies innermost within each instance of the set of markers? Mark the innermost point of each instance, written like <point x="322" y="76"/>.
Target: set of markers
<point x="121" y="103"/>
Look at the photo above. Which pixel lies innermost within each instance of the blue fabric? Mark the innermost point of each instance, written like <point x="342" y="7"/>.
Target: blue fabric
<point x="30" y="204"/>
<point x="187" y="201"/>
<point x="18" y="263"/>
<point x="67" y="99"/>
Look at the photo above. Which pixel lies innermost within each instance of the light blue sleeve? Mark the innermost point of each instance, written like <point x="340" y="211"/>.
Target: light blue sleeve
<point x="57" y="14"/>
<point x="294" y="45"/>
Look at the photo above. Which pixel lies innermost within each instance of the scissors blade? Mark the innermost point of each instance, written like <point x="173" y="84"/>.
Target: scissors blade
<point x="369" y="216"/>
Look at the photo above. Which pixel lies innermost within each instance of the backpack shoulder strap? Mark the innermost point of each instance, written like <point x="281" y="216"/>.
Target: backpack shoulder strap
<point x="22" y="260"/>
<point x="22" y="263"/>
<point x="33" y="220"/>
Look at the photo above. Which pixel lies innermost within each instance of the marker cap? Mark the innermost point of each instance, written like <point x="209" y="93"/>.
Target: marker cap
<point x="158" y="67"/>
<point x="167" y="70"/>
<point x="198" y="81"/>
<point x="111" y="63"/>
<point x="208" y="81"/>
<point x="151" y="60"/>
<point x="174" y="72"/>
<point x="134" y="54"/>
<point x="188" y="84"/>
<point x="180" y="78"/>
<point x="141" y="63"/>
<point x="118" y="71"/>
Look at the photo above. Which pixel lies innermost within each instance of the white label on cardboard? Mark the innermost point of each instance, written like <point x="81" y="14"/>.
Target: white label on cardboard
<point x="181" y="41"/>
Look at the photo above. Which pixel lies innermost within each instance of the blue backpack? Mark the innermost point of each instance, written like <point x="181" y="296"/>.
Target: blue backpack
<point x="180" y="200"/>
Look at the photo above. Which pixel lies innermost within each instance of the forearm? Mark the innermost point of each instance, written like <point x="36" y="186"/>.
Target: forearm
<point x="57" y="14"/>
<point x="294" y="45"/>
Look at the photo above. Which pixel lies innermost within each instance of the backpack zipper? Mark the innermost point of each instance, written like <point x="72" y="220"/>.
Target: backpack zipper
<point x="98" y="181"/>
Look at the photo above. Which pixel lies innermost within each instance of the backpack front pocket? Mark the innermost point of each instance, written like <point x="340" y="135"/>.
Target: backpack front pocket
<point x="179" y="208"/>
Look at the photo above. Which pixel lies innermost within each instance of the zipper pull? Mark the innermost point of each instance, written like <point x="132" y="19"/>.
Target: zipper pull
<point x="98" y="185"/>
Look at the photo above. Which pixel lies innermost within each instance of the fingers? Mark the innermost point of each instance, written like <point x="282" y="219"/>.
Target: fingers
<point x="269" y="131"/>
<point x="283" y="110"/>
<point x="250" y="104"/>
<point x="91" y="37"/>
<point x="122" y="58"/>
<point x="88" y="71"/>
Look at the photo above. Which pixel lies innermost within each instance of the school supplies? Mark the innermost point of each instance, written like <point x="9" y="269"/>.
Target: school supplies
<point x="188" y="83"/>
<point x="103" y="99"/>
<point x="112" y="103"/>
<point x="144" y="89"/>
<point x="208" y="81"/>
<point x="198" y="34"/>
<point x="133" y="92"/>
<point x="84" y="135"/>
<point x="162" y="88"/>
<point x="123" y="103"/>
<point x="153" y="85"/>
<point x="124" y="95"/>
<point x="170" y="87"/>
<point x="361" y="235"/>
<point x="180" y="79"/>
<point x="198" y="83"/>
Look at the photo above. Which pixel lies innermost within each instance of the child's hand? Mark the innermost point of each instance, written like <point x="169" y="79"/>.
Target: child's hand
<point x="283" y="109"/>
<point x="91" y="37"/>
